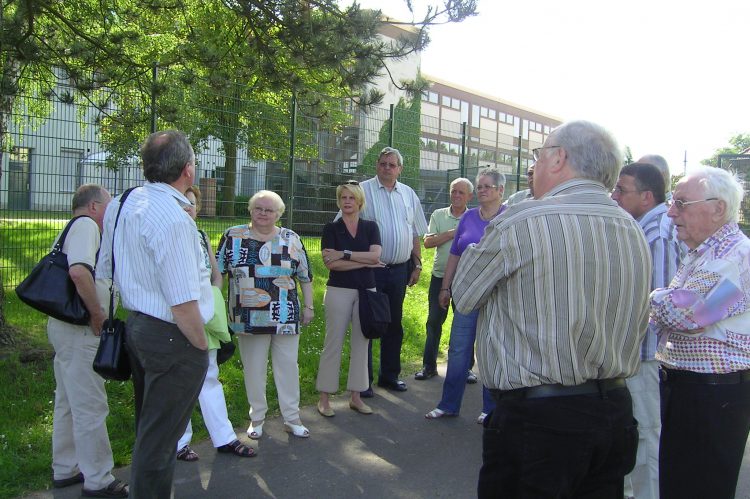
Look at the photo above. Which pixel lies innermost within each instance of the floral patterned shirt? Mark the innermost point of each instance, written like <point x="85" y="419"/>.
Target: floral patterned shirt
<point x="262" y="289"/>
<point x="703" y="316"/>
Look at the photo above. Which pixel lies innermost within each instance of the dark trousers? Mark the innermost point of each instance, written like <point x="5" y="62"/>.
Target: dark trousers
<point x="578" y="446"/>
<point x="168" y="373"/>
<point x="436" y="316"/>
<point x="392" y="281"/>
<point x="703" y="434"/>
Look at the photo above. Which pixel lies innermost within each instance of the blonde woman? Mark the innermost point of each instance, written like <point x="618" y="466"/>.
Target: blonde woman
<point x="264" y="263"/>
<point x="351" y="249"/>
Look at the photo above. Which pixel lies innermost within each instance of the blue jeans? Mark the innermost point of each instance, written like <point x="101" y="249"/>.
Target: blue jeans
<point x="460" y="358"/>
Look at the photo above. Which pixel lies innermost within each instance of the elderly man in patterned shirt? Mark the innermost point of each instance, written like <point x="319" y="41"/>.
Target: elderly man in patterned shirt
<point x="640" y="192"/>
<point x="561" y="283"/>
<point x="703" y="318"/>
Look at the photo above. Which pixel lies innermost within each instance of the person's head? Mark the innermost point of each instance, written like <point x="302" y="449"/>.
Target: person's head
<point x="639" y="188"/>
<point x="91" y="200"/>
<point x="490" y="185"/>
<point x="661" y="164"/>
<point x="348" y="193"/>
<point x="193" y="194"/>
<point x="265" y="208"/>
<point x="461" y="192"/>
<point x="703" y="201"/>
<point x="389" y="166"/>
<point x="530" y="178"/>
<point x="576" y="149"/>
<point x="168" y="157"/>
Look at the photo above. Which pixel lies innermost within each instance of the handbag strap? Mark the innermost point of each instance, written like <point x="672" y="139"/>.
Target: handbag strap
<point x="114" y="229"/>
<point x="61" y="240"/>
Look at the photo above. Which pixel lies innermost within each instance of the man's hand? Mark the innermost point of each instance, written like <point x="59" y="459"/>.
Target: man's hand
<point x="97" y="321"/>
<point x="414" y="278"/>
<point x="187" y="316"/>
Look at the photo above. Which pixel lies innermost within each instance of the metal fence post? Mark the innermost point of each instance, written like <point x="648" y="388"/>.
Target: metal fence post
<point x="154" y="76"/>
<point x="292" y="140"/>
<point x="518" y="164"/>
<point x="392" y="126"/>
<point x="462" y="158"/>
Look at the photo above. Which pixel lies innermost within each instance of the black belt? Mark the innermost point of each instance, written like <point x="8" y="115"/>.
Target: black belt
<point x="693" y="378"/>
<point x="395" y="265"/>
<point x="590" y="387"/>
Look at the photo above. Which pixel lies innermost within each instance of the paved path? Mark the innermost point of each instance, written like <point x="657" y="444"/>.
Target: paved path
<point x="393" y="453"/>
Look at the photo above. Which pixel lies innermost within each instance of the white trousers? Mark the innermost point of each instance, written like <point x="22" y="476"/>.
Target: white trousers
<point x="254" y="353"/>
<point x="643" y="481"/>
<point x="342" y="308"/>
<point x="213" y="407"/>
<point x="79" y="428"/>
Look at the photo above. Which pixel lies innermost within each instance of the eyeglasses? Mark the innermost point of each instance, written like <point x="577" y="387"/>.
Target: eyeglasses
<point x="482" y="187"/>
<point x="263" y="211"/>
<point x="538" y="151"/>
<point x="620" y="191"/>
<point x="680" y="204"/>
<point x="351" y="182"/>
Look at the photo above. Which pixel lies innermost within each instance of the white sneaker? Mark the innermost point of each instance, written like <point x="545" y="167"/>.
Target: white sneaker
<point x="480" y="419"/>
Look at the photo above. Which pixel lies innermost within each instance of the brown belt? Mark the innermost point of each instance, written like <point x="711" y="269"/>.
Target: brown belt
<point x="590" y="387"/>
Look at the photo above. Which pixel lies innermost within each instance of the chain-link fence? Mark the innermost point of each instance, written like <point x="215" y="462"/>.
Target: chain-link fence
<point x="57" y="140"/>
<point x="740" y="164"/>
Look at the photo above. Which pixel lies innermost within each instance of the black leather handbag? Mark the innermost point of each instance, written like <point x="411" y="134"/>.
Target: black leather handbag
<point x="111" y="360"/>
<point x="49" y="288"/>
<point x="374" y="313"/>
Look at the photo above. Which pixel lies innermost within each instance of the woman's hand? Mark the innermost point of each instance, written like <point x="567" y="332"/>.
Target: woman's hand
<point x="331" y="255"/>
<point x="378" y="265"/>
<point x="307" y="316"/>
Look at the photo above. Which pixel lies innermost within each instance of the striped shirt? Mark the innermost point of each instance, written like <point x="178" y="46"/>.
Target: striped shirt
<point x="158" y="258"/>
<point x="703" y="315"/>
<point x="561" y="284"/>
<point x="399" y="216"/>
<point x="666" y="251"/>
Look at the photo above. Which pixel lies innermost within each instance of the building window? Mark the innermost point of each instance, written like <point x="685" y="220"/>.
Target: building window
<point x="493" y="114"/>
<point x="483" y="112"/>
<point x="446" y="101"/>
<point x="70" y="160"/>
<point x="475" y="116"/>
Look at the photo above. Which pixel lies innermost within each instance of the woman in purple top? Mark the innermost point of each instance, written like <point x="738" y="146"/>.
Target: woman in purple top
<point x="490" y="187"/>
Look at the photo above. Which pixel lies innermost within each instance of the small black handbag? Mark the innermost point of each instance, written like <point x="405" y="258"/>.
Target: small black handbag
<point x="49" y="288"/>
<point x="374" y="313"/>
<point x="111" y="360"/>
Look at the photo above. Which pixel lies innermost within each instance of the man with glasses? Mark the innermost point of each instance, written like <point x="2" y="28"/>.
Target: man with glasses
<point x="640" y="192"/>
<point x="442" y="228"/>
<point x="561" y="283"/>
<point x="526" y="193"/>
<point x="703" y="319"/>
<point x="398" y="212"/>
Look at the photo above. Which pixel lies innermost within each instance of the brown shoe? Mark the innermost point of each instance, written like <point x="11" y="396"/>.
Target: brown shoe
<point x="362" y="409"/>
<point x="326" y="411"/>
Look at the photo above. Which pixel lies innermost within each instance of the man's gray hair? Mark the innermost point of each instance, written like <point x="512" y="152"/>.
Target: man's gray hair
<point x="661" y="163"/>
<point x="592" y="151"/>
<point x="721" y="184"/>
<point x="85" y="194"/>
<point x="165" y="155"/>
<point x="492" y="171"/>
<point x="391" y="150"/>
<point x="465" y="181"/>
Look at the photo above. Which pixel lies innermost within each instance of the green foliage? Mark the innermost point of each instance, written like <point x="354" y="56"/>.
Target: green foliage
<point x="738" y="143"/>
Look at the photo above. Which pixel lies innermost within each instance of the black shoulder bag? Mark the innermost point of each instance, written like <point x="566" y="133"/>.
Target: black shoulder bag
<point x="111" y="360"/>
<point x="374" y="313"/>
<point x="49" y="288"/>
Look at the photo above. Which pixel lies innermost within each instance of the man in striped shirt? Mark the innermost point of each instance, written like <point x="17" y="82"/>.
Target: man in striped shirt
<point x="640" y="192"/>
<point x="400" y="217"/>
<point x="561" y="283"/>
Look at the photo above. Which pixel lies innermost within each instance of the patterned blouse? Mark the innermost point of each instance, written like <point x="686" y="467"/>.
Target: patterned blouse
<point x="262" y="289"/>
<point x="703" y="316"/>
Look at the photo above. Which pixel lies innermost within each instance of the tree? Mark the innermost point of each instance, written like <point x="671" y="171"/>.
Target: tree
<point x="628" y="155"/>
<point x="739" y="143"/>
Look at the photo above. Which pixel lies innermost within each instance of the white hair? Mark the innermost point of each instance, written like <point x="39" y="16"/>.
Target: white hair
<point x="465" y="181"/>
<point x="592" y="151"/>
<point x="722" y="184"/>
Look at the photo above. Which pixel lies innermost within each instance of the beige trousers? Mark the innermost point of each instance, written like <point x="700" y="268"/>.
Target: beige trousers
<point x="254" y="353"/>
<point x="342" y="308"/>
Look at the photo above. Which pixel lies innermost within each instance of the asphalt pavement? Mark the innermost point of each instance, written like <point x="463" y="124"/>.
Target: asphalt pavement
<point x="394" y="453"/>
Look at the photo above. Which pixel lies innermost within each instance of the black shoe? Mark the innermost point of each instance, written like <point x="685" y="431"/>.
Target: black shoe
<point x="367" y="394"/>
<point x="67" y="482"/>
<point x="396" y="386"/>
<point x="471" y="378"/>
<point x="117" y="488"/>
<point x="425" y="373"/>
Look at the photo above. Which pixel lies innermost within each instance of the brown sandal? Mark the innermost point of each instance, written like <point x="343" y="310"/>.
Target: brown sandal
<point x="187" y="454"/>
<point x="237" y="448"/>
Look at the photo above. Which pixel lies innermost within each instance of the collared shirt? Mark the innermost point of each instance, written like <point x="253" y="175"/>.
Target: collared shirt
<point x="666" y="253"/>
<point x="442" y="220"/>
<point x="561" y="284"/>
<point x="158" y="259"/>
<point x="703" y="315"/>
<point x="518" y="197"/>
<point x="399" y="216"/>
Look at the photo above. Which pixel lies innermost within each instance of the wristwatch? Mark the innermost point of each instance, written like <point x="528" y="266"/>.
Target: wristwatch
<point x="347" y="254"/>
<point x="418" y="266"/>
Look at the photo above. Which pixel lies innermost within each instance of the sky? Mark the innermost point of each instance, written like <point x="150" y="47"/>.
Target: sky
<point x="664" y="76"/>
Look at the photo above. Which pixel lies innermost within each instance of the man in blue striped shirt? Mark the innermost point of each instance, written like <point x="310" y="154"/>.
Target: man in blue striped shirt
<point x="640" y="192"/>
<point x="400" y="217"/>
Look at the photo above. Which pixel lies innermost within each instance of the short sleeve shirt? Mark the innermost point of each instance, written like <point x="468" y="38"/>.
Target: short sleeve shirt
<point x="336" y="236"/>
<point x="441" y="221"/>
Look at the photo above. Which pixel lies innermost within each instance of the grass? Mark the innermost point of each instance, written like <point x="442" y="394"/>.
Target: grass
<point x="27" y="388"/>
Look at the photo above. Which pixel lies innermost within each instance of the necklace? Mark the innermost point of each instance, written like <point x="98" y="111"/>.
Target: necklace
<point x="485" y="218"/>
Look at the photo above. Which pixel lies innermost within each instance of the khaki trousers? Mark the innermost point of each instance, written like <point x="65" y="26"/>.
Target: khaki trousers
<point x="342" y="309"/>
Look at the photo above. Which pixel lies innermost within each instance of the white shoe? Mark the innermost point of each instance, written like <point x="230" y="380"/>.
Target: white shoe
<point x="297" y="430"/>
<point x="255" y="431"/>
<point x="480" y="419"/>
